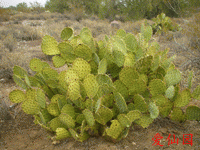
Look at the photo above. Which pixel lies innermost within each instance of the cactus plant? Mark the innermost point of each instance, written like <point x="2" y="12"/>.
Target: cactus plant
<point x="108" y="86"/>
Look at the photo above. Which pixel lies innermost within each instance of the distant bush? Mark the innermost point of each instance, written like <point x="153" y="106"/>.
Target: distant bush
<point x="4" y="14"/>
<point x="10" y="42"/>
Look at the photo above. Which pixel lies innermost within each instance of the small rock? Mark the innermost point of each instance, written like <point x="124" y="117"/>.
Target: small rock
<point x="163" y="130"/>
<point x="34" y="134"/>
<point x="133" y="143"/>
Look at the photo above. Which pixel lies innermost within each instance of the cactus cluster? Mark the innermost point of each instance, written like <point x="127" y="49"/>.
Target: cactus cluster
<point x="108" y="86"/>
<point x="162" y="23"/>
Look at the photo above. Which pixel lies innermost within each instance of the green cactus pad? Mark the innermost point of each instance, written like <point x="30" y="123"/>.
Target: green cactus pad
<point x="120" y="102"/>
<point x="104" y="79"/>
<point x="70" y="76"/>
<point x="108" y="100"/>
<point x="143" y="65"/>
<point x="58" y="97"/>
<point x="103" y="115"/>
<point x="144" y="121"/>
<point x="139" y="103"/>
<point x="129" y="60"/>
<point x="17" y="96"/>
<point x="73" y="90"/>
<point x="161" y="70"/>
<point x="156" y="62"/>
<point x="74" y="134"/>
<point x="66" y="33"/>
<point x="118" y="43"/>
<point x="80" y="118"/>
<point x="121" y="88"/>
<point x="144" y="77"/>
<point x="190" y="80"/>
<point x="20" y="72"/>
<point x="45" y="116"/>
<point x="94" y="67"/>
<point x="157" y="86"/>
<point x="89" y="104"/>
<point x="170" y="92"/>
<point x="115" y="129"/>
<point x="172" y="77"/>
<point x="83" y="51"/>
<point x="69" y="58"/>
<point x="134" y="115"/>
<point x="67" y="120"/>
<point x="166" y="109"/>
<point x="62" y="133"/>
<point x="47" y="91"/>
<point x="183" y="98"/>
<point x="58" y="61"/>
<point x="131" y="42"/>
<point x="31" y="94"/>
<point x="128" y="75"/>
<point x="49" y="45"/>
<point x="76" y="40"/>
<point x="153" y="110"/>
<point x="102" y="66"/>
<point x="79" y="103"/>
<point x="34" y="82"/>
<point x="177" y="115"/>
<point x="124" y="120"/>
<point x="53" y="109"/>
<point x="52" y="83"/>
<point x="50" y="73"/>
<point x="119" y="57"/>
<point x="146" y="32"/>
<point x="114" y="70"/>
<point x="19" y="82"/>
<point x="166" y="63"/>
<point x="61" y="79"/>
<point x="193" y="113"/>
<point x="131" y="106"/>
<point x="160" y="100"/>
<point x="82" y="67"/>
<point x="40" y="98"/>
<point x="66" y="48"/>
<point x="121" y="33"/>
<point x="153" y="49"/>
<point x="30" y="107"/>
<point x="196" y="93"/>
<point x="91" y="85"/>
<point x="36" y="64"/>
<point x="89" y="117"/>
<point x="68" y="109"/>
<point x="138" y="87"/>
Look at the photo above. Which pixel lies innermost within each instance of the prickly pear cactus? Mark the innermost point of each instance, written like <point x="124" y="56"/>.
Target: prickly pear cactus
<point x="108" y="86"/>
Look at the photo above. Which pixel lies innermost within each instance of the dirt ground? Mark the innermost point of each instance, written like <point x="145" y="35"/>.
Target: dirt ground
<point x="19" y="132"/>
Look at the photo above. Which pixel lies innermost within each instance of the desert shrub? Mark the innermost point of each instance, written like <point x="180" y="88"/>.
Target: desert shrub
<point x="26" y="33"/>
<point x="20" y="16"/>
<point x="78" y="14"/>
<point x="193" y="31"/>
<point x="192" y="47"/>
<point x="4" y="14"/>
<point x="108" y="86"/>
<point x="8" y="60"/>
<point x="10" y="42"/>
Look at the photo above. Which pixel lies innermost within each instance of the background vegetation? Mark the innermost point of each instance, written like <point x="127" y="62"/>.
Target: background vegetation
<point x="124" y="9"/>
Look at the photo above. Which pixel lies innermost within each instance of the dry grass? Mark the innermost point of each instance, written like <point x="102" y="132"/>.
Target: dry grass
<point x="10" y="42"/>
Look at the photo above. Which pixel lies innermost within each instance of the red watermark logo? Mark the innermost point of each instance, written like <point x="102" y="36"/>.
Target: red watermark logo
<point x="187" y="139"/>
